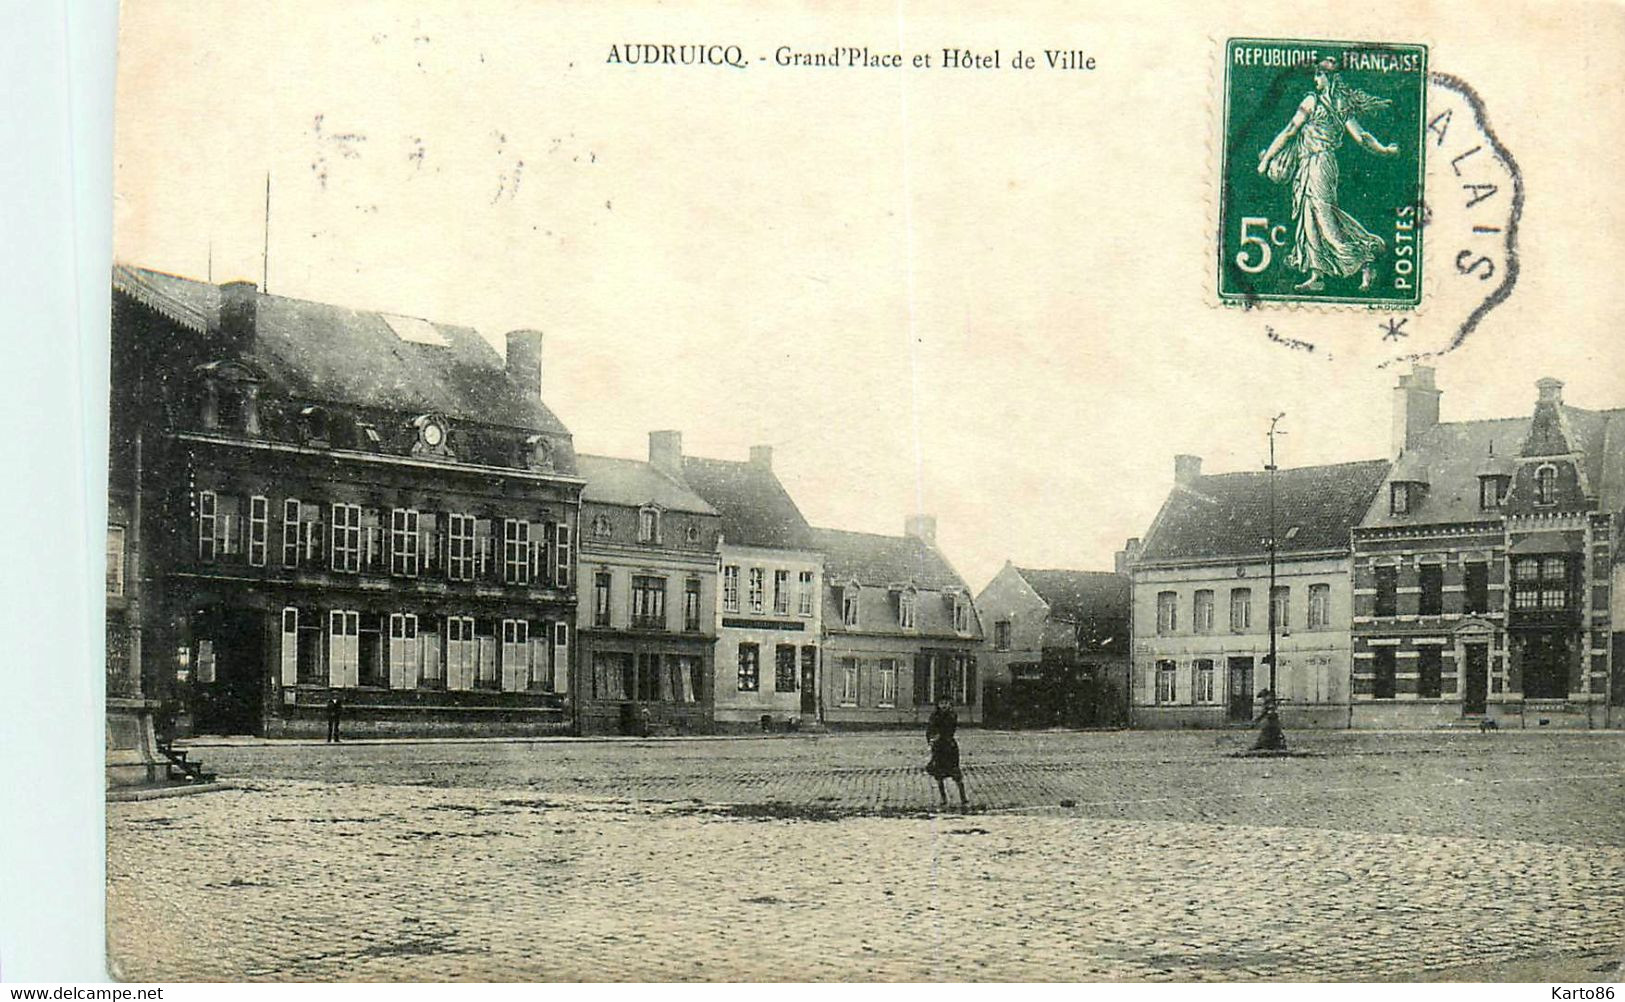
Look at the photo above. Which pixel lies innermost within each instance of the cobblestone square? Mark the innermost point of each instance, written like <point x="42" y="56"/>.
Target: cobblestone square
<point x="1094" y="856"/>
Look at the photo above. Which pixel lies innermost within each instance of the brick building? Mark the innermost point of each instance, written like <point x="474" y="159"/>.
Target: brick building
<point x="647" y="624"/>
<point x="336" y="502"/>
<point x="1201" y="583"/>
<point x="1056" y="651"/>
<point x="1486" y="570"/>
<point x="900" y="630"/>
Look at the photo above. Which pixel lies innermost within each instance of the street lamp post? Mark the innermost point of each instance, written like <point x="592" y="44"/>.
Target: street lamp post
<point x="1273" y="625"/>
<point x="1271" y="737"/>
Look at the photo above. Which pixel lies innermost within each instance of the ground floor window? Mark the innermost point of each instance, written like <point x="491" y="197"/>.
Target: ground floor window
<point x="1167" y="674"/>
<point x="849" y="681"/>
<point x="784" y="668"/>
<point x="612" y="673"/>
<point x="1382" y="682"/>
<point x="886" y="671"/>
<point x="1429" y="684"/>
<point x="750" y="668"/>
<point x="1204" y="687"/>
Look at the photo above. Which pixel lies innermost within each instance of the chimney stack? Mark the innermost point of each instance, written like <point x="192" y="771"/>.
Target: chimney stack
<point x="1416" y="407"/>
<point x="1551" y="390"/>
<point x="761" y="455"/>
<point x="922" y="527"/>
<point x="1187" y="470"/>
<point x="1130" y="552"/>
<point x="239" y="316"/>
<point x="525" y="362"/>
<point x="666" y="453"/>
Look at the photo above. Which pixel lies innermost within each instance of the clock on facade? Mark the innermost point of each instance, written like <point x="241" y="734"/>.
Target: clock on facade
<point x="432" y="434"/>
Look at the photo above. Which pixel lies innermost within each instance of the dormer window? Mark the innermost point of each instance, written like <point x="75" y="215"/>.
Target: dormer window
<point x="539" y="453"/>
<point x="907" y="603"/>
<point x="313" y="422"/>
<point x="849" y="605"/>
<point x="1546" y="485"/>
<point x="1492" y="491"/>
<point x="368" y="436"/>
<point x="229" y="397"/>
<point x="432" y="433"/>
<point x="600" y="527"/>
<point x="961" y="612"/>
<point x="1401" y="498"/>
<point x="649" y="524"/>
<point x="692" y="533"/>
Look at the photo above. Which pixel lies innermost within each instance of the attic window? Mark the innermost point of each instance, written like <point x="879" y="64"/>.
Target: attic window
<point x="649" y="524"/>
<point x="314" y="420"/>
<point x="601" y="527"/>
<point x="416" y="331"/>
<point x="1400" y="498"/>
<point x="1292" y="533"/>
<point x="1546" y="485"/>
<point x="1492" y="491"/>
<point x="369" y="436"/>
<point x="906" y="602"/>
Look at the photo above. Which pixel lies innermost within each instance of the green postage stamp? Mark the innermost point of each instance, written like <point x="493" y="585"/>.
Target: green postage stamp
<point x="1321" y="193"/>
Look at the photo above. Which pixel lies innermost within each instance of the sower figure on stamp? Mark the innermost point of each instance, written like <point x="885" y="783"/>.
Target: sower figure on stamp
<point x="335" y="711"/>
<point x="939" y="733"/>
<point x="1327" y="240"/>
<point x="1270" y="736"/>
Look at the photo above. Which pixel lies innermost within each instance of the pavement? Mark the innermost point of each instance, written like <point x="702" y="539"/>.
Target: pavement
<point x="1116" y="856"/>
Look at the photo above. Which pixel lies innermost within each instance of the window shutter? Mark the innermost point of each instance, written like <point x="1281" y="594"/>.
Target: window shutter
<point x="922" y="679"/>
<point x="397" y="651"/>
<point x="290" y="647"/>
<point x="970" y="680"/>
<point x="561" y="657"/>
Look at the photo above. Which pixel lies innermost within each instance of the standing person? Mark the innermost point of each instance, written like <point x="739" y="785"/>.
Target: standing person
<point x="1327" y="241"/>
<point x="335" y="710"/>
<point x="939" y="733"/>
<point x="1270" y="736"/>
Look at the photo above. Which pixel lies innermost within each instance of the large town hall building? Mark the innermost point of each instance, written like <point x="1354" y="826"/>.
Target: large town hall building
<point x="309" y="502"/>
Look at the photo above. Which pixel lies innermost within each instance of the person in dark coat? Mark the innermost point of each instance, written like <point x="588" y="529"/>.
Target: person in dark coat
<point x="335" y="711"/>
<point x="939" y="733"/>
<point x="1270" y="735"/>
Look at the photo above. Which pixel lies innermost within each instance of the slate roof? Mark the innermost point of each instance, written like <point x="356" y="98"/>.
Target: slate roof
<point x="1227" y="514"/>
<point x="1078" y="596"/>
<point x="634" y="483"/>
<point x="877" y="561"/>
<point x="755" y="508"/>
<point x="333" y="354"/>
<point x="1451" y="455"/>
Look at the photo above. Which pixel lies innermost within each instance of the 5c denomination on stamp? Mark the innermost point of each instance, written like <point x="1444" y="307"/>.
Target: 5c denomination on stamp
<point x="1322" y="172"/>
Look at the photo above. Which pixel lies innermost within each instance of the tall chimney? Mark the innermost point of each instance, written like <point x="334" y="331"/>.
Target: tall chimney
<point x="1187" y="470"/>
<point x="1416" y="407"/>
<point x="1551" y="390"/>
<point x="239" y="316"/>
<point x="525" y="361"/>
<point x="923" y="527"/>
<point x="761" y="455"/>
<point x="666" y="453"/>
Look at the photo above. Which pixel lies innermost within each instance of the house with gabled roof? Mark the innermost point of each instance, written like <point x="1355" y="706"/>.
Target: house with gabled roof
<point x="1202" y="604"/>
<point x="900" y="629"/>
<point x="646" y="627"/>
<point x="770" y="574"/>
<point x="1056" y="650"/>
<point x="1486" y="569"/>
<point x="309" y="502"/>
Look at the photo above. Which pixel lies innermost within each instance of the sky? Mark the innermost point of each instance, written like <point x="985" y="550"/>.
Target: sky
<point x="982" y="294"/>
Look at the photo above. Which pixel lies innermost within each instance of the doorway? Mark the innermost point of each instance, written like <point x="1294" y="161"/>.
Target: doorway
<point x="1240" y="709"/>
<point x="809" y="681"/>
<point x="1475" y="691"/>
<point x="1545" y="664"/>
<point x="228" y="653"/>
